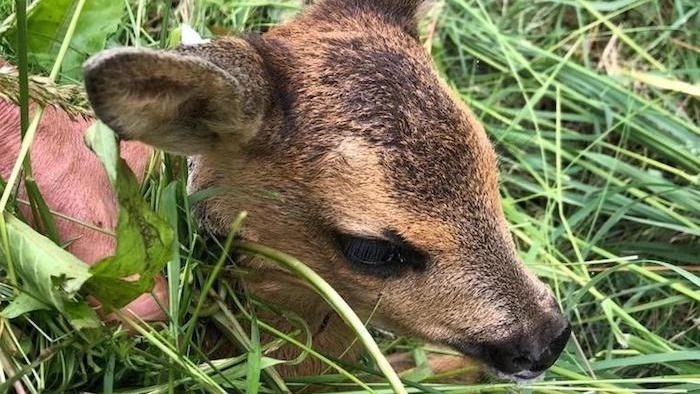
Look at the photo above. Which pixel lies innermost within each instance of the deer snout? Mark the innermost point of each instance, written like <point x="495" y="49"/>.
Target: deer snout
<point x="530" y="353"/>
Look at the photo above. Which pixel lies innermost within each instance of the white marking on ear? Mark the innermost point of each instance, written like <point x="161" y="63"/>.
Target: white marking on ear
<point x="188" y="36"/>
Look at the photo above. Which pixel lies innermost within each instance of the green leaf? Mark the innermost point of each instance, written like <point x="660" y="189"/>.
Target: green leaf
<point x="47" y="23"/>
<point x="50" y="276"/>
<point x="23" y="303"/>
<point x="144" y="240"/>
<point x="105" y="147"/>
<point x="650" y="359"/>
<point x="254" y="358"/>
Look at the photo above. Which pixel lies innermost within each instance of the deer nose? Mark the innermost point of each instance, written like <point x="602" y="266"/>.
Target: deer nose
<point x="533" y="352"/>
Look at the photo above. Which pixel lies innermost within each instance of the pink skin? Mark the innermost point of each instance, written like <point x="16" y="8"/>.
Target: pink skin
<point x="73" y="183"/>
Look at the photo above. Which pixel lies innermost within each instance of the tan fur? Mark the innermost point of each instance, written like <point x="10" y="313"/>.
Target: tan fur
<point x="359" y="135"/>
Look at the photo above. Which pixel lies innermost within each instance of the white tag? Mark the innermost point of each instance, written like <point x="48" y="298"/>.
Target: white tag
<point x="190" y="37"/>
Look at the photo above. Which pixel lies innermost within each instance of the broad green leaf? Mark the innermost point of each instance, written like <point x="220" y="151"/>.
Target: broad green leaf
<point x="106" y="148"/>
<point x="50" y="276"/>
<point x="47" y="22"/>
<point x="144" y="240"/>
<point x="23" y="303"/>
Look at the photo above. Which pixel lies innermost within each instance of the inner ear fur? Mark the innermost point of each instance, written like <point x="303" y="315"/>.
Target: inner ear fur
<point x="188" y="101"/>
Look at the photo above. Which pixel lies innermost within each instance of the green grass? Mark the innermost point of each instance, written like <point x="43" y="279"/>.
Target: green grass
<point x="600" y="178"/>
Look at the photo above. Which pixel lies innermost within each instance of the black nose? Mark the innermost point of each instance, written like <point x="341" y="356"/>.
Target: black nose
<point x="534" y="351"/>
<point x="527" y="353"/>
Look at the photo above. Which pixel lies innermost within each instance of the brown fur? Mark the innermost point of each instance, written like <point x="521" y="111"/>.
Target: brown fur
<point x="357" y="134"/>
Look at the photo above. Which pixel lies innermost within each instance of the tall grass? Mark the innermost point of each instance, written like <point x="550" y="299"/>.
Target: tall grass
<point x="593" y="107"/>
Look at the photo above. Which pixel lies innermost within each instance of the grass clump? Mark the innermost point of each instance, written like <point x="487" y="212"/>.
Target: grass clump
<point x="593" y="107"/>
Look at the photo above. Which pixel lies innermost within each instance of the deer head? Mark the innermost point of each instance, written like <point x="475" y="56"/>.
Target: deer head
<point x="387" y="185"/>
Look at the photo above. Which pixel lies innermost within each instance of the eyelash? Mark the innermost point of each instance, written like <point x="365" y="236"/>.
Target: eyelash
<point x="379" y="257"/>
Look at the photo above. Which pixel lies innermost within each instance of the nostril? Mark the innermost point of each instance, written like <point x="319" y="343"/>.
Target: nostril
<point x="560" y="341"/>
<point x="530" y="353"/>
<point x="553" y="350"/>
<point x="522" y="363"/>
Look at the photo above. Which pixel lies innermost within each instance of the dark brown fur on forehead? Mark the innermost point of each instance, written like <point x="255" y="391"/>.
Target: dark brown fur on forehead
<point x="392" y="99"/>
<point x="363" y="78"/>
<point x="401" y="13"/>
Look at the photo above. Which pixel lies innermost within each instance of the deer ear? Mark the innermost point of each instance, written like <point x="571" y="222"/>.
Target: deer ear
<point x="191" y="101"/>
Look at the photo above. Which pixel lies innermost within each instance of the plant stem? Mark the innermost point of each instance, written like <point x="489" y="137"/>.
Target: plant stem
<point x="334" y="300"/>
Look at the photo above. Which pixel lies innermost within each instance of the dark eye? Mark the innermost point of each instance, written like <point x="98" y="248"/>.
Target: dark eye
<point x="380" y="256"/>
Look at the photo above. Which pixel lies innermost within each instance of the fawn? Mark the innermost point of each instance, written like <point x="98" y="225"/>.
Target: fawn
<point x="387" y="184"/>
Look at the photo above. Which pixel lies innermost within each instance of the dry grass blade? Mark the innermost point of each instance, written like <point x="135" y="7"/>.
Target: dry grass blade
<point x="43" y="92"/>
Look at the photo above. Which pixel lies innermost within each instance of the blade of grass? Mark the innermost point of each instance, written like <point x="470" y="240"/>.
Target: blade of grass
<point x="334" y="300"/>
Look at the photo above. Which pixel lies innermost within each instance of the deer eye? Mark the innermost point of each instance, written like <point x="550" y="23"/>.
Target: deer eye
<point x="380" y="257"/>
